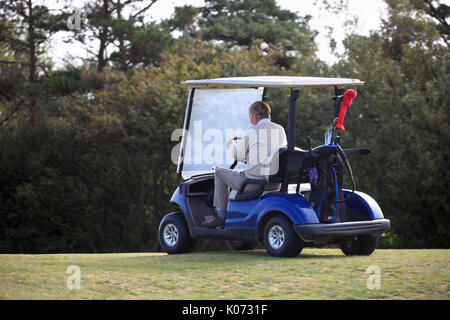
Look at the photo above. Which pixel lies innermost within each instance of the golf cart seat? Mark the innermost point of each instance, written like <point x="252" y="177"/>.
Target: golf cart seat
<point x="292" y="163"/>
<point x="281" y="162"/>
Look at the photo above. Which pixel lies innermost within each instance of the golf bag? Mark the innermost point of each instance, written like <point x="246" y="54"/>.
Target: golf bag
<point x="326" y="178"/>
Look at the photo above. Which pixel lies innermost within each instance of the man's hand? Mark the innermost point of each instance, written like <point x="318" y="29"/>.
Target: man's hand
<point x="230" y="142"/>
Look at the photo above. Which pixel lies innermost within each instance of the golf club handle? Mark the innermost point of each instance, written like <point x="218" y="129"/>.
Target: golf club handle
<point x="346" y="101"/>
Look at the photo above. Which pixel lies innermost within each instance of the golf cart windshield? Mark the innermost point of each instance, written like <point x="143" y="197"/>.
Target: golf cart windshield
<point x="213" y="117"/>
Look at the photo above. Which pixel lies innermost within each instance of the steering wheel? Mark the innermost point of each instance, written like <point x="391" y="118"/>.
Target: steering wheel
<point x="234" y="164"/>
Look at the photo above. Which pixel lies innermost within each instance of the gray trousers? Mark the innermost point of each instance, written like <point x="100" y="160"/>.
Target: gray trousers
<point x="224" y="178"/>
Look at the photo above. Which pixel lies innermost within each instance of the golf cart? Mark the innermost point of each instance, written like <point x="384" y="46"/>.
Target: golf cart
<point x="310" y="205"/>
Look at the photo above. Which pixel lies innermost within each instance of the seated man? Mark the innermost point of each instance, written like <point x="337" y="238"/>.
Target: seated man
<point x="254" y="149"/>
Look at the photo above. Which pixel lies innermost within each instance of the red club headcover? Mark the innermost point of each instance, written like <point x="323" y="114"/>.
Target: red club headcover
<point x="346" y="101"/>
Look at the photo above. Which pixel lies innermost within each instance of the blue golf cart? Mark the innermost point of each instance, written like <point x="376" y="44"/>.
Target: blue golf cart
<point x="308" y="207"/>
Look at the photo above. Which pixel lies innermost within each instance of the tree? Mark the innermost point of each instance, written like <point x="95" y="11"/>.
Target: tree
<point x="146" y="44"/>
<point x="37" y="23"/>
<point x="406" y="27"/>
<point x="183" y="19"/>
<point x="105" y="23"/>
<point x="12" y="75"/>
<point x="439" y="11"/>
<point x="242" y="22"/>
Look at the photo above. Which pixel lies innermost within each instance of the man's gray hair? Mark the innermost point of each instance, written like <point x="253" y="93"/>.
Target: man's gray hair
<point x="260" y="108"/>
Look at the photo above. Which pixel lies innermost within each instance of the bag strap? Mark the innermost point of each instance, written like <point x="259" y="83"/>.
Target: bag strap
<point x="343" y="157"/>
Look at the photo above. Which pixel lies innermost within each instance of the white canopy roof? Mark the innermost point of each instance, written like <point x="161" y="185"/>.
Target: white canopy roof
<point x="276" y="82"/>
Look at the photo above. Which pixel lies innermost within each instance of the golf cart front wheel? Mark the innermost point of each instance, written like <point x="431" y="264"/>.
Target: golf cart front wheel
<point x="173" y="234"/>
<point x="280" y="239"/>
<point x="362" y="245"/>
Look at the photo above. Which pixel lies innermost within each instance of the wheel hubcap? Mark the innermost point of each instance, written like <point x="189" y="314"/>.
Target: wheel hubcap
<point x="276" y="237"/>
<point x="170" y="234"/>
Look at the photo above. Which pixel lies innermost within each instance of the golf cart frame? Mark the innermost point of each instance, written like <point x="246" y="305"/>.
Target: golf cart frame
<point x="284" y="220"/>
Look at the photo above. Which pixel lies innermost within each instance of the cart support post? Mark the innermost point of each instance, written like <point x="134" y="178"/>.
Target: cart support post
<point x="338" y="96"/>
<point x="291" y="120"/>
<point x="187" y="120"/>
<point x="291" y="135"/>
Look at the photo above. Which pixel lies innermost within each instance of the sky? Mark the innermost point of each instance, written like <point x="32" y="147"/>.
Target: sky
<point x="367" y="13"/>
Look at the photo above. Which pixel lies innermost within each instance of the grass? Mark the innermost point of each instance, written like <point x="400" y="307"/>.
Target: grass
<point x="315" y="274"/>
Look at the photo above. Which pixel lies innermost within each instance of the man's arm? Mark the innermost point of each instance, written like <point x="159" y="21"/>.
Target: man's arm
<point x="239" y="150"/>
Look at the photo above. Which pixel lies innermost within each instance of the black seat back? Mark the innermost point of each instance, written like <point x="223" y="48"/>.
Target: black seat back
<point x="281" y="162"/>
<point x="287" y="161"/>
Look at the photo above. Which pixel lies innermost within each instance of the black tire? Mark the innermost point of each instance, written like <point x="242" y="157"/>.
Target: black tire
<point x="288" y="244"/>
<point x="173" y="234"/>
<point x="362" y="245"/>
<point x="241" y="245"/>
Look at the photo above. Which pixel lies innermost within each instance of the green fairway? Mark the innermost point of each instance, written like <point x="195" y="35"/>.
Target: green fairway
<point x="315" y="274"/>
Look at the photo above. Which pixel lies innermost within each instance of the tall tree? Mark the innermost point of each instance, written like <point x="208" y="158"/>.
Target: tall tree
<point x="183" y="19"/>
<point x="106" y="23"/>
<point x="407" y="27"/>
<point x="438" y="11"/>
<point x="27" y="31"/>
<point x="146" y="43"/>
<point x="241" y="22"/>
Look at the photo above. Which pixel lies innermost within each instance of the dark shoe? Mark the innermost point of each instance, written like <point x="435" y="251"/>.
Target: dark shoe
<point x="214" y="223"/>
<point x="221" y="213"/>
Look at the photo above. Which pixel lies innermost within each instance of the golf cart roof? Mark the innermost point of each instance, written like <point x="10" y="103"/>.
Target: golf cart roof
<point x="275" y="82"/>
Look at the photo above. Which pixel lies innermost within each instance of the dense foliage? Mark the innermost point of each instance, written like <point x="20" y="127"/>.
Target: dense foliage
<point x="92" y="171"/>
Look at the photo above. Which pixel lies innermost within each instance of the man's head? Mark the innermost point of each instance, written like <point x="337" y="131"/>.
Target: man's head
<point x="257" y="111"/>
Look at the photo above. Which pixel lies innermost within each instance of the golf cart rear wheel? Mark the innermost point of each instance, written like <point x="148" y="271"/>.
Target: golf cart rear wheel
<point x="362" y="245"/>
<point x="241" y="245"/>
<point x="173" y="234"/>
<point x="280" y="239"/>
